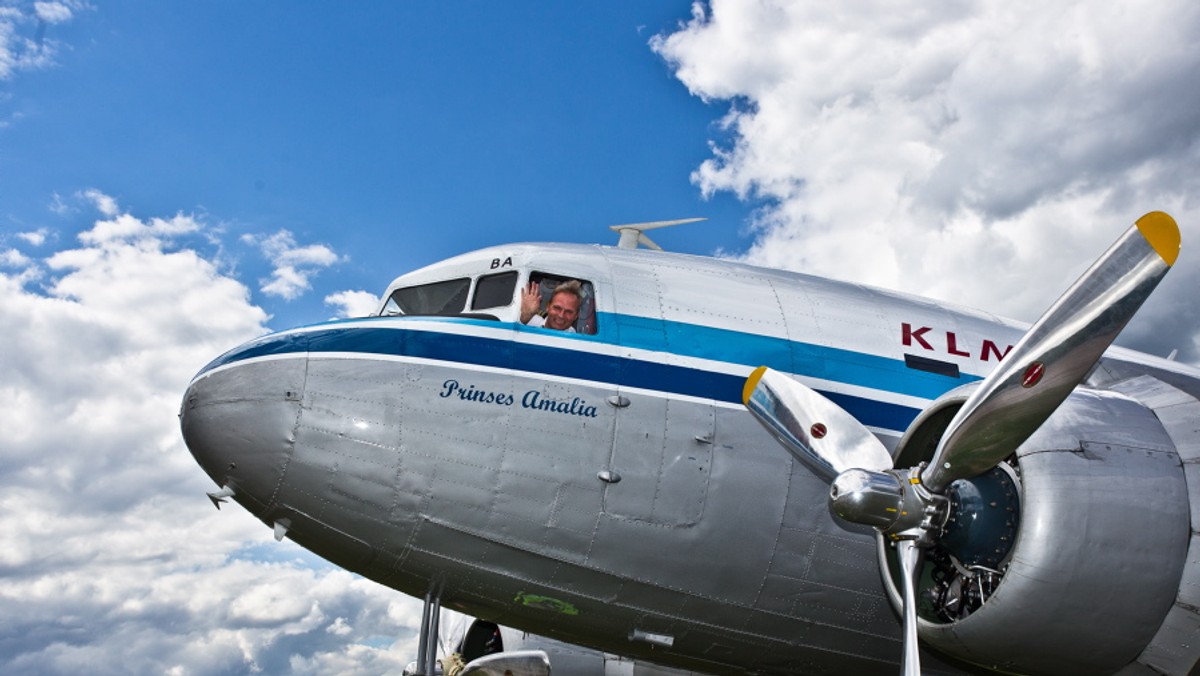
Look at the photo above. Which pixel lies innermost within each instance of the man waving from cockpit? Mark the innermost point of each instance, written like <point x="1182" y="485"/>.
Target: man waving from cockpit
<point x="561" y="311"/>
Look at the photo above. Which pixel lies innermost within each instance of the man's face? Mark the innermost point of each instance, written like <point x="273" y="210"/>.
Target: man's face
<point x="562" y="311"/>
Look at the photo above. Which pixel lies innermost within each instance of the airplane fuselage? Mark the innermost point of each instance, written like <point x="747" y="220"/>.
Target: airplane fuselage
<point x="605" y="487"/>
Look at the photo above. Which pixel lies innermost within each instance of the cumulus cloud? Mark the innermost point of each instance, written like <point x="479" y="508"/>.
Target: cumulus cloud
<point x="112" y="560"/>
<point x="105" y="204"/>
<point x="353" y="303"/>
<point x="14" y="259"/>
<point x="34" y="238"/>
<point x="983" y="153"/>
<point x="23" y="44"/>
<point x="124" y="227"/>
<point x="53" y="12"/>
<point x="294" y="266"/>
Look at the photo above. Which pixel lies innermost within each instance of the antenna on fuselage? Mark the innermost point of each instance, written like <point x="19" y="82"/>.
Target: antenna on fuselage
<point x="632" y="234"/>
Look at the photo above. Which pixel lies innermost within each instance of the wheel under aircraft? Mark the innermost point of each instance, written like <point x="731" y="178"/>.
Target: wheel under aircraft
<point x="720" y="468"/>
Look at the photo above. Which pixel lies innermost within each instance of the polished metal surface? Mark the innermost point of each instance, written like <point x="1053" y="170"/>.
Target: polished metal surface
<point x="1174" y="650"/>
<point x="910" y="561"/>
<point x="813" y="429"/>
<point x="240" y="425"/>
<point x="1052" y="359"/>
<point x="523" y="663"/>
<point x="1102" y="546"/>
<point x="871" y="498"/>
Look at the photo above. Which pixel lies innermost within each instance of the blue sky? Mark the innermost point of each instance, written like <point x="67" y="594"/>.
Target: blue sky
<point x="396" y="134"/>
<point x="177" y="178"/>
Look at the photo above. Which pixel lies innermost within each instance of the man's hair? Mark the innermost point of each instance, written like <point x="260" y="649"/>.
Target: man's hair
<point x="572" y="287"/>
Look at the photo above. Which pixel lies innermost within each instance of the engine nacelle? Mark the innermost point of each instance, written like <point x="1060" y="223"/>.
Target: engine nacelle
<point x="1100" y="547"/>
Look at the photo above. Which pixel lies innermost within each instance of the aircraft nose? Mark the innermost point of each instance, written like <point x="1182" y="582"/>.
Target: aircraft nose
<point x="239" y="421"/>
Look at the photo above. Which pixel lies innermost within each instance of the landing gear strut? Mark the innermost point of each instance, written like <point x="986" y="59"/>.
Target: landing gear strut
<point x="427" y="649"/>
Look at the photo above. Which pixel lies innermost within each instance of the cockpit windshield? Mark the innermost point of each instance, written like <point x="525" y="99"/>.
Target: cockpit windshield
<point x="495" y="297"/>
<point x="439" y="298"/>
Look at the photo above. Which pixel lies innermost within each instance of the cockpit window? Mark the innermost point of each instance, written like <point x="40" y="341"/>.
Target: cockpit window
<point x="547" y="283"/>
<point x="494" y="290"/>
<point x="439" y="298"/>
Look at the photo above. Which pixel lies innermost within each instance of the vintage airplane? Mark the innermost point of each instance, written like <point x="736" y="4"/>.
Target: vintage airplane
<point x="1021" y="497"/>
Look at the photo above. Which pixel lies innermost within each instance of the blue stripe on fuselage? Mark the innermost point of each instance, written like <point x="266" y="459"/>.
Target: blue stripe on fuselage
<point x="751" y="349"/>
<point x="687" y="340"/>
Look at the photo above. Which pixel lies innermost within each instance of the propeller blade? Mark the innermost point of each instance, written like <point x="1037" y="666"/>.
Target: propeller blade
<point x="909" y="556"/>
<point x="816" y="431"/>
<point x="1056" y="354"/>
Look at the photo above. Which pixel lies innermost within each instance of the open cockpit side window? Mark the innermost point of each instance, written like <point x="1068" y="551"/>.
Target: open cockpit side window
<point x="547" y="284"/>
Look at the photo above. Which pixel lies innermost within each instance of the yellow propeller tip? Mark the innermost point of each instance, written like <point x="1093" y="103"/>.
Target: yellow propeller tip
<point x="751" y="383"/>
<point x="1162" y="233"/>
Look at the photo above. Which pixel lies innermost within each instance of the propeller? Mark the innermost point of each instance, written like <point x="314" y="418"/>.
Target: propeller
<point x="1043" y="368"/>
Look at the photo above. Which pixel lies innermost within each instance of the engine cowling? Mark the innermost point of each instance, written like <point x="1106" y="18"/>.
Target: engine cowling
<point x="1101" y="543"/>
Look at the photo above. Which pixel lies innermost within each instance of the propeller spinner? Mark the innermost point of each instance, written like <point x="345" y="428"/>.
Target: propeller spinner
<point x="907" y="504"/>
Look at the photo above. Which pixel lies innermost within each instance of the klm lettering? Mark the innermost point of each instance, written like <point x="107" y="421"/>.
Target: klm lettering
<point x="948" y="342"/>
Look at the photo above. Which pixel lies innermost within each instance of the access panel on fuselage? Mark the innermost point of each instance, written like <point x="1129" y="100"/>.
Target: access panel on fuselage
<point x="662" y="442"/>
<point x="662" y="454"/>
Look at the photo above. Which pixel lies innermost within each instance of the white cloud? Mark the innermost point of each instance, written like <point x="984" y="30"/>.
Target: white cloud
<point x="36" y="237"/>
<point x="12" y="258"/>
<point x="103" y="203"/>
<point x="23" y="45"/>
<point x="112" y="560"/>
<point x="353" y="303"/>
<point x="294" y="265"/>
<point x="52" y="12"/>
<point x="983" y="153"/>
